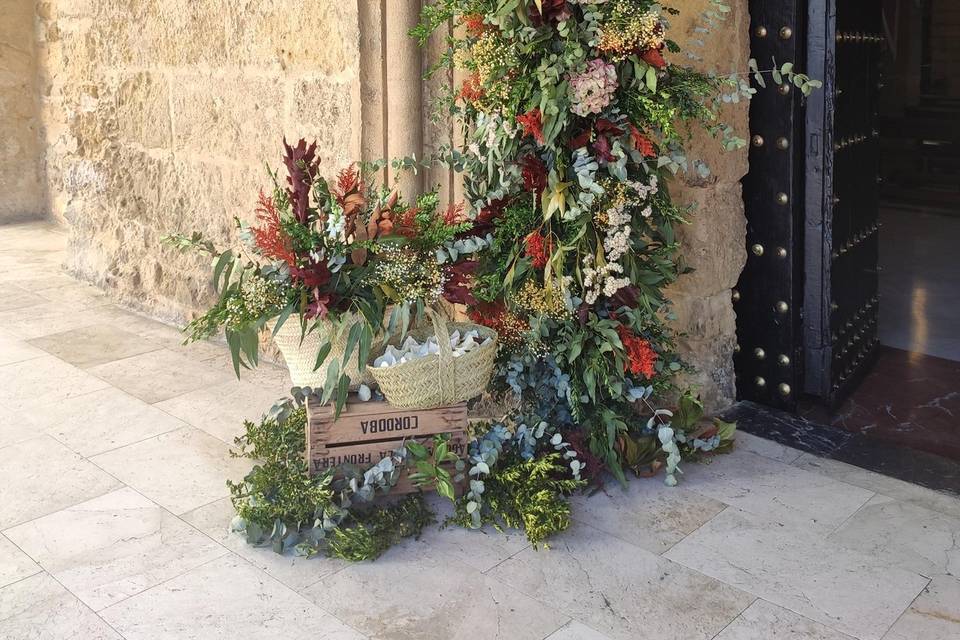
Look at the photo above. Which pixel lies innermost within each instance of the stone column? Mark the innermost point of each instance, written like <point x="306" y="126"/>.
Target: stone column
<point x="404" y="118"/>
<point x="22" y="194"/>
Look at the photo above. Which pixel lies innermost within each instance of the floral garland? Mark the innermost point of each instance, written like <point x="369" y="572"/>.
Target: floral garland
<point x="572" y="118"/>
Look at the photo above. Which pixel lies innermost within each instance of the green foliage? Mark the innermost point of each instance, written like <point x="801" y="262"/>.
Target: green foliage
<point x="431" y="465"/>
<point x="524" y="494"/>
<point x="376" y="530"/>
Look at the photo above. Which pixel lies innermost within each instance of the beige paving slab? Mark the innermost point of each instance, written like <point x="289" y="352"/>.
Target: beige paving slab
<point x="15" y="298"/>
<point x="40" y="476"/>
<point x="180" y="470"/>
<point x="165" y="334"/>
<point x="767" y="448"/>
<point x="97" y="344"/>
<point x="38" y="608"/>
<point x="159" y="375"/>
<point x="774" y="489"/>
<point x="947" y="504"/>
<point x="103" y="420"/>
<point x="934" y="615"/>
<point x="765" y="621"/>
<point x="413" y="593"/>
<point x="794" y="567"/>
<point x="50" y="280"/>
<point x="296" y="572"/>
<point x="14" y="349"/>
<point x="46" y="318"/>
<point x="16" y="427"/>
<point x="621" y="590"/>
<point x="114" y="546"/>
<point x="75" y="295"/>
<point x="646" y="513"/>
<point x="14" y="563"/>
<point x="223" y="599"/>
<point x="34" y="383"/>
<point x="577" y="631"/>
<point x="220" y="410"/>
<point x="904" y="535"/>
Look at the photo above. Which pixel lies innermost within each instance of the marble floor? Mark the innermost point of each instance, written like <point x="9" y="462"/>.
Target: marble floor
<point x="114" y="445"/>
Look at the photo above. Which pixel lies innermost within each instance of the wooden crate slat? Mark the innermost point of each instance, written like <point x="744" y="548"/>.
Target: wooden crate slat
<point x="370" y="453"/>
<point x="378" y="420"/>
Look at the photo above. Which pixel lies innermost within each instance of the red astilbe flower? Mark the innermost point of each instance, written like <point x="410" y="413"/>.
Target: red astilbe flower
<point x="269" y="237"/>
<point x="538" y="250"/>
<point x="472" y="91"/>
<point x="303" y="165"/>
<point x="654" y="58"/>
<point x="641" y="357"/>
<point x="454" y="214"/>
<point x="474" y="24"/>
<point x="534" y="173"/>
<point x="642" y="143"/>
<point x="532" y="123"/>
<point x="509" y="326"/>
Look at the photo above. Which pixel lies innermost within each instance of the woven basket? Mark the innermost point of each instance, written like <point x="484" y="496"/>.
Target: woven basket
<point x="300" y="351"/>
<point x="439" y="379"/>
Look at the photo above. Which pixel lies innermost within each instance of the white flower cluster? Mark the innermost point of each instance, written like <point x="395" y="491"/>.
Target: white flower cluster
<point x="588" y="1"/>
<point x="411" y="349"/>
<point x="608" y="279"/>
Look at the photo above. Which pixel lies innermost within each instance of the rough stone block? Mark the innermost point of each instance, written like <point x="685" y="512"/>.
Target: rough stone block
<point x="143" y="110"/>
<point x="708" y="325"/>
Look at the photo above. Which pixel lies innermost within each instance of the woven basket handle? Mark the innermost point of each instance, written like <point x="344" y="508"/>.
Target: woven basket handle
<point x="446" y="372"/>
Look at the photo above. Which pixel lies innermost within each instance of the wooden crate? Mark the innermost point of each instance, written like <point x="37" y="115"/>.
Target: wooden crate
<point x="367" y="432"/>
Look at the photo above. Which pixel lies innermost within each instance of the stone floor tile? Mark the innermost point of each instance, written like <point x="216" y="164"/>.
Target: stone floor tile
<point x="16" y="350"/>
<point x="40" y="476"/>
<point x="76" y="295"/>
<point x="34" y="383"/>
<point x="220" y="410"/>
<point x="944" y="503"/>
<point x="17" y="427"/>
<point x="223" y="599"/>
<point x="296" y="572"/>
<point x="646" y="513"/>
<point x="14" y="563"/>
<point x="159" y="375"/>
<point x="765" y="621"/>
<point x="50" y="280"/>
<point x="114" y="546"/>
<point x="97" y="344"/>
<point x="621" y="590"/>
<point x="38" y="608"/>
<point x="412" y="592"/>
<point x="103" y="420"/>
<point x="13" y="297"/>
<point x="180" y="470"/>
<point x="576" y="631"/>
<point x="934" y="615"/>
<point x="774" y="489"/>
<point x="161" y="333"/>
<point x="904" y="535"/>
<point x="766" y="448"/>
<point x="794" y="567"/>
<point x="44" y="319"/>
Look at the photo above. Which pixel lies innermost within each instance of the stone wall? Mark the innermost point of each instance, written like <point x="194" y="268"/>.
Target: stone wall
<point x="21" y="187"/>
<point x="160" y="115"/>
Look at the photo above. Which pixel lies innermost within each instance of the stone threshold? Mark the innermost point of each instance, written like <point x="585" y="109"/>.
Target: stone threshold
<point x="897" y="461"/>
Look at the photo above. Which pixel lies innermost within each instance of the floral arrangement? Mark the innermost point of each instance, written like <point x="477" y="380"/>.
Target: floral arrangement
<point x="327" y="251"/>
<point x="574" y="119"/>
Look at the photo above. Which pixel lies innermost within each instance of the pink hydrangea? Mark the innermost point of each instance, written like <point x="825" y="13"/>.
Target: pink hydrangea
<point x="593" y="89"/>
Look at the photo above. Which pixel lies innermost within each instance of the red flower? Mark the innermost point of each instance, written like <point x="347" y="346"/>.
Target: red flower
<point x="302" y="165"/>
<point x="642" y="143"/>
<point x="457" y="286"/>
<point x="270" y="238"/>
<point x="537" y="250"/>
<point x="641" y="357"/>
<point x="534" y="174"/>
<point x="474" y="24"/>
<point x="581" y="139"/>
<point x="471" y="91"/>
<point x="532" y="124"/>
<point x="602" y="148"/>
<point x="654" y="58"/>
<point x="454" y="214"/>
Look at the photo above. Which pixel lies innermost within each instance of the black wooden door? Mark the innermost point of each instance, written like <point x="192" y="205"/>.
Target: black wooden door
<point x="841" y="299"/>
<point x="807" y="300"/>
